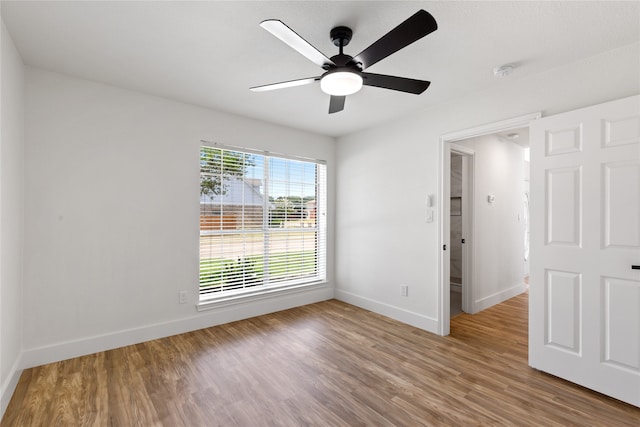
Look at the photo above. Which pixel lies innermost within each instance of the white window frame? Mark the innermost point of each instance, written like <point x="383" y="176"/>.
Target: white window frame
<point x="225" y="298"/>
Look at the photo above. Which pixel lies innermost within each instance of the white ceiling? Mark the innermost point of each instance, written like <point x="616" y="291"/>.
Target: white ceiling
<point x="209" y="53"/>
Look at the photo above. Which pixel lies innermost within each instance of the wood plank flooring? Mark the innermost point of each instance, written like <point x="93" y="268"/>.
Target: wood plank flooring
<point x="326" y="364"/>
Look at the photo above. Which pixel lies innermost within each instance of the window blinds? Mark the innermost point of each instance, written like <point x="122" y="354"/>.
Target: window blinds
<point x="262" y="221"/>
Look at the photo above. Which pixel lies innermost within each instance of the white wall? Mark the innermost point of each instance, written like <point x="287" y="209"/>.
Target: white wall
<point x="11" y="216"/>
<point x="527" y="189"/>
<point x="385" y="173"/>
<point x="498" y="237"/>
<point x="112" y="214"/>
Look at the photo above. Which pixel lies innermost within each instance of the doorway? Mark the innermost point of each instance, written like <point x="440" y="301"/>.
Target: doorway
<point x="451" y="143"/>
<point x="461" y="202"/>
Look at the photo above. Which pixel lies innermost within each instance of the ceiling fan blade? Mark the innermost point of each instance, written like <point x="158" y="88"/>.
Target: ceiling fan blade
<point x="291" y="38"/>
<point x="282" y="85"/>
<point x="336" y="104"/>
<point x="414" y="28"/>
<point x="401" y="84"/>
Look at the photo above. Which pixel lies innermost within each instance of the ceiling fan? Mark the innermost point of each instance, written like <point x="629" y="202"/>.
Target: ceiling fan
<point x="344" y="74"/>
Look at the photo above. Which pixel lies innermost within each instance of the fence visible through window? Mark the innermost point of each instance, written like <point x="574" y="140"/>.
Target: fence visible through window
<point x="262" y="221"/>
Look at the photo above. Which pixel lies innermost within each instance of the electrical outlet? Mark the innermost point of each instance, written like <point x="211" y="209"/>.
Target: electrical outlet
<point x="182" y="297"/>
<point x="404" y="290"/>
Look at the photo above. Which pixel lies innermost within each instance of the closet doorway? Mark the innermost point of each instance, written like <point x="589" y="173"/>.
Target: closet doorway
<point x="461" y="229"/>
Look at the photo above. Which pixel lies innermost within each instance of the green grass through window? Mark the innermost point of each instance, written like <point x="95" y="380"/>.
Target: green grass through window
<point x="217" y="274"/>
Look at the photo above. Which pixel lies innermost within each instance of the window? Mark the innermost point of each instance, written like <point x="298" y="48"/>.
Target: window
<point x="262" y="223"/>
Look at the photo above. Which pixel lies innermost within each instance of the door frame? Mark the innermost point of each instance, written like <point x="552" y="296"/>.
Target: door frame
<point x="446" y="142"/>
<point x="468" y="223"/>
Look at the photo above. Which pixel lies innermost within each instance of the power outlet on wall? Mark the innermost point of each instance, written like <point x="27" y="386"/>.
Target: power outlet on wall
<point x="404" y="290"/>
<point x="183" y="296"/>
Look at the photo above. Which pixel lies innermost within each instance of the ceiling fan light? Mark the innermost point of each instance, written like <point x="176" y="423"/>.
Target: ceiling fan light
<point x="341" y="83"/>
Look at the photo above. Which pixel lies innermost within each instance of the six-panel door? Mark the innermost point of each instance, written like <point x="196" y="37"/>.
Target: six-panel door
<point x="584" y="314"/>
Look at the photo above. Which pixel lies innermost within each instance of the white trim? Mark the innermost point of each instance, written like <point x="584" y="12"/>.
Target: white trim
<point x="224" y="299"/>
<point x="498" y="297"/>
<point x="9" y="386"/>
<point x="429" y="324"/>
<point x="444" y="235"/>
<point x="490" y="128"/>
<point x="89" y="345"/>
<point x="468" y="224"/>
<point x="468" y="229"/>
<point x="462" y="149"/>
<point x="443" y="324"/>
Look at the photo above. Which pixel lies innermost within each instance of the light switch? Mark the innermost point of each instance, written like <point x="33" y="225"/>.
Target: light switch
<point x="429" y="200"/>
<point x="429" y="215"/>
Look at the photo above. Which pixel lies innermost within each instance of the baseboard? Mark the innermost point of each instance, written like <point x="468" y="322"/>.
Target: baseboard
<point x="70" y="349"/>
<point x="405" y="316"/>
<point x="9" y="386"/>
<point x="498" y="297"/>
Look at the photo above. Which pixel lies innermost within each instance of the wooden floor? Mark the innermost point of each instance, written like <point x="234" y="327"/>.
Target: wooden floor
<point x="326" y="364"/>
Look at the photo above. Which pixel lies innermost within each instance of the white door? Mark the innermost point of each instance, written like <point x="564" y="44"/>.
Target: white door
<point x="584" y="297"/>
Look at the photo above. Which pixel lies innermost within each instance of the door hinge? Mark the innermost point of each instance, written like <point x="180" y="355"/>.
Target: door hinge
<point x="462" y="240"/>
<point x="444" y="247"/>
